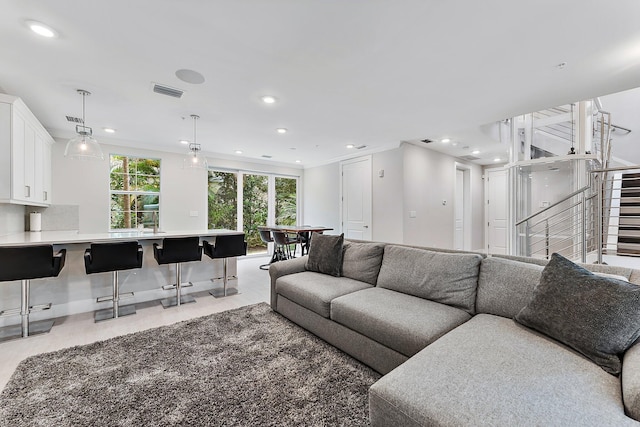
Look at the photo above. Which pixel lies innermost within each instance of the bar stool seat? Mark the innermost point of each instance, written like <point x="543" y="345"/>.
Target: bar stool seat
<point x="113" y="257"/>
<point x="226" y="246"/>
<point x="25" y="263"/>
<point x="176" y="250"/>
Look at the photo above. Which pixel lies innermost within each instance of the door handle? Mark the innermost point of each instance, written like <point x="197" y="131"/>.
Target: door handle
<point x="365" y="226"/>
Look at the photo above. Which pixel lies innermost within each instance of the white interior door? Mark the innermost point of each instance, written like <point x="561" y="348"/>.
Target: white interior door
<point x="458" y="237"/>
<point x="356" y="198"/>
<point x="496" y="202"/>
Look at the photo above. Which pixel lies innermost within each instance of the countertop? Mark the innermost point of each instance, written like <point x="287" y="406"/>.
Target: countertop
<point x="71" y="237"/>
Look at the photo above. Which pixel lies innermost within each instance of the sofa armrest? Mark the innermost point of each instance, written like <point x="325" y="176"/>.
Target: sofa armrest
<point x="631" y="381"/>
<point x="282" y="268"/>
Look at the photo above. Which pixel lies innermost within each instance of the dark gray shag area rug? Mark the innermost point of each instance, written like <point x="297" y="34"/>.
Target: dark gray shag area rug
<point x="247" y="367"/>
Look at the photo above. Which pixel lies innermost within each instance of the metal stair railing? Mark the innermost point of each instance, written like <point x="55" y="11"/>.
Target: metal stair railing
<point x="602" y="218"/>
<point x="564" y="227"/>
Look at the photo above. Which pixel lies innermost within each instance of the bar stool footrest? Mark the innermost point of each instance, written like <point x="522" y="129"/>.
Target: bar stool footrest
<point x="35" y="328"/>
<point x="110" y="297"/>
<point x="107" y="313"/>
<point x="222" y="278"/>
<point x="40" y="307"/>
<point x="10" y="312"/>
<point x="173" y="287"/>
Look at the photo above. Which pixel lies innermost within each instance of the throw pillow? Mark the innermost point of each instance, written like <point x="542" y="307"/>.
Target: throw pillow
<point x="325" y="254"/>
<point x="597" y="316"/>
<point x="361" y="261"/>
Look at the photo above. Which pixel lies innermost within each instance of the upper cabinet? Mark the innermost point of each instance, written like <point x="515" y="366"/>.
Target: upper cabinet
<point x="25" y="155"/>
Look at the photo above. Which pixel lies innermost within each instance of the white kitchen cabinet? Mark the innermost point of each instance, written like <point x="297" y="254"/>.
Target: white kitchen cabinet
<point x="25" y="150"/>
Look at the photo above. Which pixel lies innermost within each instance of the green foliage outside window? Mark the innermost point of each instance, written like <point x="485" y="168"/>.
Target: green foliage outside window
<point x="223" y="203"/>
<point x="223" y="200"/>
<point x="286" y="201"/>
<point x="254" y="208"/>
<point x="135" y="191"/>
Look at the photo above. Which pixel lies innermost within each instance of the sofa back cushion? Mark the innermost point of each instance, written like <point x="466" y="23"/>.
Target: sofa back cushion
<point x="361" y="261"/>
<point x="446" y="278"/>
<point x="505" y="286"/>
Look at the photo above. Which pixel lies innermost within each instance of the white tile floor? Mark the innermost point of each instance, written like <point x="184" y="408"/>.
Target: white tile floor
<point x="79" y="329"/>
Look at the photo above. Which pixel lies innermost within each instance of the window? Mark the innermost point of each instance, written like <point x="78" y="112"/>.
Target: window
<point x="223" y="200"/>
<point x="244" y="201"/>
<point x="134" y="192"/>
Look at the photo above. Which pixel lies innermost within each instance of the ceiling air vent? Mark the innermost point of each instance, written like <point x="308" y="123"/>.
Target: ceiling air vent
<point x="469" y="158"/>
<point x="265" y="156"/>
<point x="360" y="147"/>
<point x="166" y="90"/>
<point x="426" y="141"/>
<point x="74" y="119"/>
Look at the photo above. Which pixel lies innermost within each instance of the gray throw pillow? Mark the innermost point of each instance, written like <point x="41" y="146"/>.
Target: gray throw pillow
<point x="325" y="254"/>
<point x="361" y="261"/>
<point x="597" y="316"/>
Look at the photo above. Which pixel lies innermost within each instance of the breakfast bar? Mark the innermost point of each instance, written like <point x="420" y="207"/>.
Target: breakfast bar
<point x="74" y="291"/>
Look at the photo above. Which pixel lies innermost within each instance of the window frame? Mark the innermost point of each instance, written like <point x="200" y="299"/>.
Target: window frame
<point x="136" y="193"/>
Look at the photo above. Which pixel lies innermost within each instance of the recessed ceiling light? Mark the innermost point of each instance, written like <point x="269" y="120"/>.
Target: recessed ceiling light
<point x="445" y="140"/>
<point x="184" y="141"/>
<point x="238" y="151"/>
<point x="475" y="152"/>
<point x="298" y="161"/>
<point x="268" y="99"/>
<point x="350" y="145"/>
<point x="109" y="130"/>
<point x="281" y="130"/>
<point x="455" y="144"/>
<point x="497" y="159"/>
<point x="41" y="29"/>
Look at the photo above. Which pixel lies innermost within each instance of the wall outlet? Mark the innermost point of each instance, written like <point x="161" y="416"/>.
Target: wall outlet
<point x="193" y="213"/>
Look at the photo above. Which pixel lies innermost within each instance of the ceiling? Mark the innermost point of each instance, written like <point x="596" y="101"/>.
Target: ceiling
<point x="361" y="72"/>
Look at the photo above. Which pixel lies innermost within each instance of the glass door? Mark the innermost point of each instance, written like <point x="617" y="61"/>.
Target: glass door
<point x="255" y="210"/>
<point x="223" y="200"/>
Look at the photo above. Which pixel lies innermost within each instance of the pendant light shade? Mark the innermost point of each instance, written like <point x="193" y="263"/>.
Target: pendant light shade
<point x="194" y="160"/>
<point x="83" y="146"/>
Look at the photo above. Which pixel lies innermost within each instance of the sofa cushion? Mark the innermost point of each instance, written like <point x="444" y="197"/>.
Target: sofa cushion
<point x="402" y="322"/>
<point x="446" y="278"/>
<point x="491" y="371"/>
<point x="316" y="290"/>
<point x="361" y="261"/>
<point x="325" y="254"/>
<point x="597" y="316"/>
<point x="505" y="286"/>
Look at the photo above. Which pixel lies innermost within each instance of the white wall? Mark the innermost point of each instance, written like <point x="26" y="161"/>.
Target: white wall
<point x="415" y="178"/>
<point x="429" y="180"/>
<point x="12" y="219"/>
<point x="387" y="196"/>
<point x="322" y="196"/>
<point x="183" y="191"/>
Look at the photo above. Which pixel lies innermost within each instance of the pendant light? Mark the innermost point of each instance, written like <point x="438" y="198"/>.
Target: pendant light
<point x="83" y="146"/>
<point x="193" y="160"/>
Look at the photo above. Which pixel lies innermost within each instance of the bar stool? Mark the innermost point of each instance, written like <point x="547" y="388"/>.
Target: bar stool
<point x="226" y="246"/>
<point x="25" y="263"/>
<point x="113" y="257"/>
<point x="283" y="242"/>
<point x="176" y="250"/>
<point x="265" y="236"/>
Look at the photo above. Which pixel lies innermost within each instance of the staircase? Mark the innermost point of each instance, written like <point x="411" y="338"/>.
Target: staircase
<point x="629" y="221"/>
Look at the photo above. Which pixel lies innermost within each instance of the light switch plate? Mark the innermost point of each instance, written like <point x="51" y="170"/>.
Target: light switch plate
<point x="193" y="213"/>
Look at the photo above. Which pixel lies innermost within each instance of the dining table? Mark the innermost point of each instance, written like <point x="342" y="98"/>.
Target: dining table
<point x="302" y="231"/>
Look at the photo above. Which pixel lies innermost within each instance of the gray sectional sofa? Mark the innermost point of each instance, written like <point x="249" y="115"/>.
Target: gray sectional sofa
<point x="439" y="326"/>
